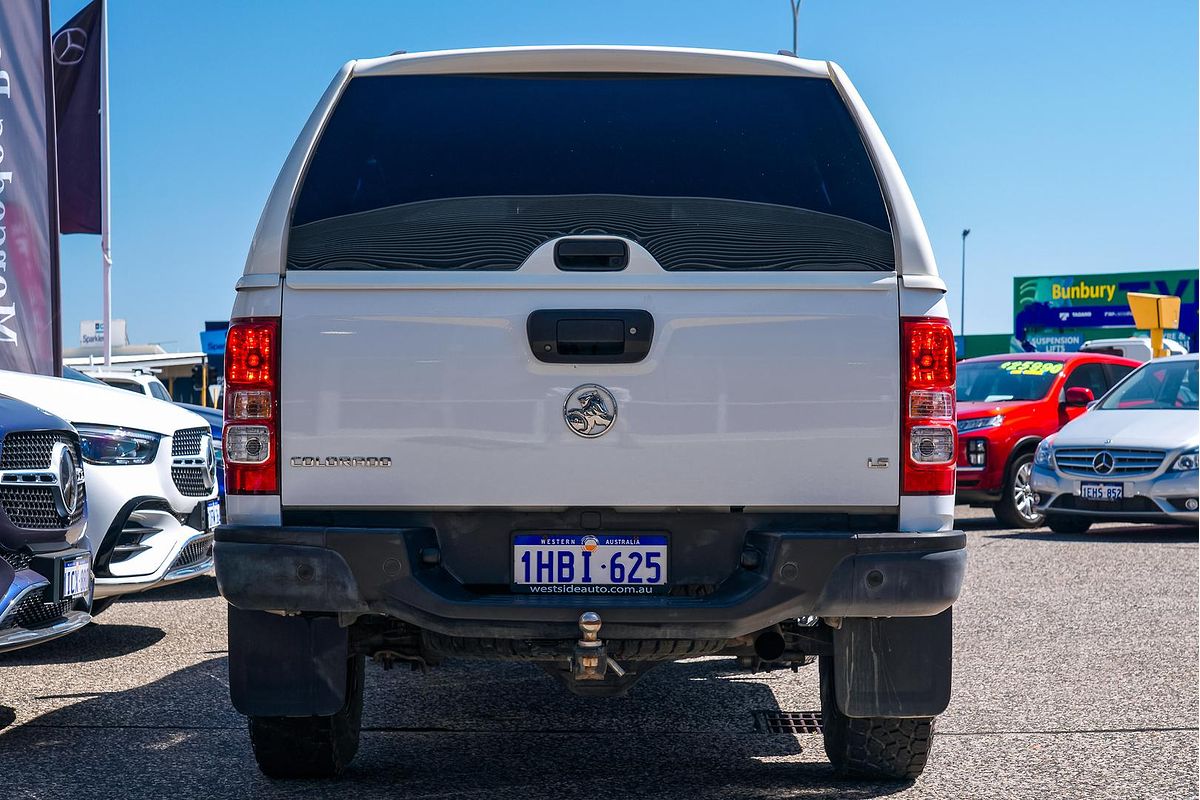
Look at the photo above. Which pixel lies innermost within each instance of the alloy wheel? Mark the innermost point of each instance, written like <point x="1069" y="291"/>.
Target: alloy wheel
<point x="1024" y="498"/>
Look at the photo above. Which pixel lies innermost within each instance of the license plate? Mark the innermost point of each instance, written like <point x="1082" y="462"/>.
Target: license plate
<point x="590" y="563"/>
<point x="213" y="508"/>
<point x="76" y="576"/>
<point x="1102" y="491"/>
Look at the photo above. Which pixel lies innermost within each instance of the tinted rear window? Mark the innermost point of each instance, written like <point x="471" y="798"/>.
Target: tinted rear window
<point x="476" y="171"/>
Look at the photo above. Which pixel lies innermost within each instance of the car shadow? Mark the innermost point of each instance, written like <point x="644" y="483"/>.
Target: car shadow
<point x="193" y="589"/>
<point x="978" y="524"/>
<point x="91" y="643"/>
<point x="1125" y="534"/>
<point x="465" y="729"/>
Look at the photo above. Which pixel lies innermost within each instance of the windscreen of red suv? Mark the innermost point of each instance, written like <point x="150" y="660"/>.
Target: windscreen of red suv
<point x="1000" y="381"/>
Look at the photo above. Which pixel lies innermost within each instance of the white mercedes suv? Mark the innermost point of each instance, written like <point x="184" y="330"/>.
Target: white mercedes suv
<point x="151" y="480"/>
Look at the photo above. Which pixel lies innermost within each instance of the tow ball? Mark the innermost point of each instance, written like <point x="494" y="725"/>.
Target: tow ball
<point x="591" y="660"/>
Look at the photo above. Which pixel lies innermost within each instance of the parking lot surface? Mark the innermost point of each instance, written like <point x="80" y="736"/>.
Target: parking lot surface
<point x="1075" y="676"/>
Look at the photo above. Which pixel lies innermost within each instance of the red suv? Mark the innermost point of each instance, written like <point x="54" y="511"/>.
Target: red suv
<point x="1009" y="403"/>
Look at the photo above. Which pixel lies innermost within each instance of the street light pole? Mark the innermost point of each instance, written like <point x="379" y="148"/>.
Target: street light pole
<point x="795" y="25"/>
<point x="962" y="305"/>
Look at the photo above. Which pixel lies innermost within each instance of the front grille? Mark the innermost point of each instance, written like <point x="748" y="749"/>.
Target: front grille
<point x="190" y="481"/>
<point x="187" y="441"/>
<point x="31" y="507"/>
<point x="31" y="449"/>
<point x="1126" y="461"/>
<point x="18" y="561"/>
<point x="1128" y="505"/>
<point x="189" y="478"/>
<point x="193" y="553"/>
<point x="28" y="502"/>
<point x="32" y="612"/>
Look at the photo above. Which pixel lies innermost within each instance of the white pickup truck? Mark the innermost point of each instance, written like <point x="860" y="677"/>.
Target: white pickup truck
<point x="598" y="358"/>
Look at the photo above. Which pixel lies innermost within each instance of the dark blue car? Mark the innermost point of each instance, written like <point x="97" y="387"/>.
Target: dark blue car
<point x="45" y="562"/>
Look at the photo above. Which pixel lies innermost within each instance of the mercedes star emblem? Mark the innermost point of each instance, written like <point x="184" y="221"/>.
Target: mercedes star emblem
<point x="70" y="45"/>
<point x="63" y="462"/>
<point x="1103" y="463"/>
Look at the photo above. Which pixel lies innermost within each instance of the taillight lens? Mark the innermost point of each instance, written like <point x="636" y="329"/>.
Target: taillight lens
<point x="929" y="433"/>
<point x="251" y="435"/>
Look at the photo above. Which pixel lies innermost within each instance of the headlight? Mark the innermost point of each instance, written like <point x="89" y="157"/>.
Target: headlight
<point x="1187" y="461"/>
<point x="980" y="423"/>
<point x="104" y="445"/>
<point x="1044" y="457"/>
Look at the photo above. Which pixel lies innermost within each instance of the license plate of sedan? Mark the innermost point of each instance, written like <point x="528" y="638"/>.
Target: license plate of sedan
<point x="590" y="563"/>
<point x="1102" y="491"/>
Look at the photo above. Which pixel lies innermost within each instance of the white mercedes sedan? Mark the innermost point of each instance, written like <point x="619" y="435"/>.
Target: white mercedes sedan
<point x="1131" y="458"/>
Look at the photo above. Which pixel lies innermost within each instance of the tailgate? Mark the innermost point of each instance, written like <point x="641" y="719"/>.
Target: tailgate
<point x="741" y="213"/>
<point x="757" y="390"/>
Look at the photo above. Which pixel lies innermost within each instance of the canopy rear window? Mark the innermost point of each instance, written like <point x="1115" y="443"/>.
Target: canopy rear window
<point x="706" y="172"/>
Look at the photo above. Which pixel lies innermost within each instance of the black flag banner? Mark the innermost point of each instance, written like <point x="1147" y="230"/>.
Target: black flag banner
<point x="78" y="55"/>
<point x="30" y="335"/>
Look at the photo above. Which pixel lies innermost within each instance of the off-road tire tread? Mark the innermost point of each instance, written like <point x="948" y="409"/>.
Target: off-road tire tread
<point x="881" y="748"/>
<point x="877" y="747"/>
<point x="288" y="748"/>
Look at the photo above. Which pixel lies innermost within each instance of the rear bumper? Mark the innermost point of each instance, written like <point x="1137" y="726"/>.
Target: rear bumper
<point x="381" y="571"/>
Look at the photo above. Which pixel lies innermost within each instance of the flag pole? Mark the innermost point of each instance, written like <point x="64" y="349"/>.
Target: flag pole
<point x="105" y="227"/>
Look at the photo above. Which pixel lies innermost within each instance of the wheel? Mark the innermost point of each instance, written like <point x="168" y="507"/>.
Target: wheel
<point x="872" y="747"/>
<point x="102" y="604"/>
<point x="1017" y="508"/>
<point x="1068" y="523"/>
<point x="311" y="747"/>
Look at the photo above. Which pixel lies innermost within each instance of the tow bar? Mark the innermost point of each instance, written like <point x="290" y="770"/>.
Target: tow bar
<point x="591" y="660"/>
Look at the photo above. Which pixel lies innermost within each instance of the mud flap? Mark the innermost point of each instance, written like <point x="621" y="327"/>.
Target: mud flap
<point x="894" y="667"/>
<point x="286" y="666"/>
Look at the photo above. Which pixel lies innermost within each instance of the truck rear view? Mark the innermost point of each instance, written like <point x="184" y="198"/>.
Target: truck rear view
<point x="596" y="358"/>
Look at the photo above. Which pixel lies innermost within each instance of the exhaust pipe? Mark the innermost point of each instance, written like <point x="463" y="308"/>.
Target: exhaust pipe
<point x="769" y="645"/>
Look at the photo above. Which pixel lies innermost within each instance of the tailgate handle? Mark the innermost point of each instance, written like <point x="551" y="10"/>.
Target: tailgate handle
<point x="591" y="255"/>
<point x="590" y="336"/>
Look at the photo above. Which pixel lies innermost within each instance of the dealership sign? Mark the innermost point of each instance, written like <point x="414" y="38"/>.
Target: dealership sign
<point x="1061" y="312"/>
<point x="30" y="340"/>
<point x="91" y="333"/>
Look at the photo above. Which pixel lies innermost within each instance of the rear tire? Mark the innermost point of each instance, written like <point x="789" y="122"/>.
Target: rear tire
<point x="1067" y="523"/>
<point x="311" y="747"/>
<point x="1016" y="508"/>
<point x="872" y="747"/>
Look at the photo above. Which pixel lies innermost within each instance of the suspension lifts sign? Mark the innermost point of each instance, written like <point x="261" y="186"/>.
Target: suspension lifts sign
<point x="1061" y="312"/>
<point x="30" y="340"/>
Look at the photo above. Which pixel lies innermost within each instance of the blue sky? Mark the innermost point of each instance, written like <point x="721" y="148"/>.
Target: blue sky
<point x="1064" y="134"/>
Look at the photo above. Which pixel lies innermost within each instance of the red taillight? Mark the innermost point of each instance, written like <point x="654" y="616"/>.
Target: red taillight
<point x="250" y="443"/>
<point x="929" y="440"/>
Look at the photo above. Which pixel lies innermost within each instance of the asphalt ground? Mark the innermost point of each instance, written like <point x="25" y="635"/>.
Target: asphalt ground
<point x="1075" y="676"/>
